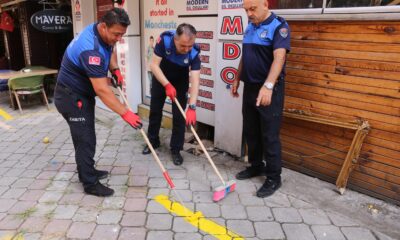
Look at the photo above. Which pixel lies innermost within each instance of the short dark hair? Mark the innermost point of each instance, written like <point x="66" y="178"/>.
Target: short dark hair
<point x="187" y="29"/>
<point x="151" y="37"/>
<point x="116" y="16"/>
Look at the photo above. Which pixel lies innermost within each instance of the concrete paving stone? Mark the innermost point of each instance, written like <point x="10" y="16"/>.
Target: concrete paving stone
<point x="13" y="193"/>
<point x="250" y="200"/>
<point x="34" y="224"/>
<point x="13" y="172"/>
<point x="314" y="216"/>
<point x="187" y="236"/>
<point x="129" y="233"/>
<point x="81" y="230"/>
<point x="196" y="186"/>
<point x="11" y="222"/>
<point x="86" y="214"/>
<point x="47" y="175"/>
<point x="68" y="167"/>
<point x="160" y="235"/>
<point x="71" y="199"/>
<point x="106" y="232"/>
<point x="63" y="176"/>
<point x="202" y="197"/>
<point x="137" y="181"/>
<point x="242" y="228"/>
<point x="113" y="202"/>
<point x="135" y="204"/>
<point x="325" y="232"/>
<point x="3" y="189"/>
<point x="44" y="209"/>
<point x="259" y="213"/>
<point x="4" y="155"/>
<point x="39" y="184"/>
<point x="63" y="152"/>
<point x="2" y="215"/>
<point x="6" y="204"/>
<point x="297" y="231"/>
<point x="357" y="233"/>
<point x="297" y="203"/>
<point x="118" y="180"/>
<point x="159" y="221"/>
<point x="181" y="184"/>
<point x="181" y="195"/>
<point x="139" y="171"/>
<point x="209" y="209"/>
<point x="109" y="217"/>
<point x="7" y="181"/>
<point x="233" y="212"/>
<point x="278" y="199"/>
<point x="32" y="236"/>
<point x="8" y="163"/>
<point x="340" y="220"/>
<point x="7" y="234"/>
<point x="287" y="215"/>
<point x="152" y="193"/>
<point x="22" y="183"/>
<point x="177" y="173"/>
<point x="110" y="154"/>
<point x="155" y="207"/>
<point x="51" y="196"/>
<point x="134" y="219"/>
<point x="91" y="201"/>
<point x="15" y="156"/>
<point x="3" y="170"/>
<point x="31" y="173"/>
<point x="32" y="195"/>
<point x="22" y="206"/>
<point x="269" y="230"/>
<point x="136" y="192"/>
<point x="74" y="187"/>
<point x="381" y="236"/>
<point x="230" y="199"/>
<point x="105" y="161"/>
<point x="157" y="183"/>
<point x="58" y="186"/>
<point x="120" y="170"/>
<point x="181" y="225"/>
<point x="65" y="211"/>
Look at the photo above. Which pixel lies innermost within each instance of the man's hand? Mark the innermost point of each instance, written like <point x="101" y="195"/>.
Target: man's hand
<point x="264" y="97"/>
<point x="235" y="87"/>
<point x="170" y="91"/>
<point x="116" y="73"/>
<point x="132" y="119"/>
<point x="190" y="117"/>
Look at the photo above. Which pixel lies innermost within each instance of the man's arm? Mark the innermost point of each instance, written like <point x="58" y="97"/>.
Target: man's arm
<point x="156" y="70"/>
<point x="236" y="81"/>
<point x="113" y="60"/>
<point x="194" y="86"/>
<point x="104" y="92"/>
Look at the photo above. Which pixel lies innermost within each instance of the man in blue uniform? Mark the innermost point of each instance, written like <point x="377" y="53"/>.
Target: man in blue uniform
<point x="265" y="44"/>
<point x="82" y="76"/>
<point x="175" y="55"/>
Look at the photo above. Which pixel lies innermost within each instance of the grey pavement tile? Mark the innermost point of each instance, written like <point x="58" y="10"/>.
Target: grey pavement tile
<point x="155" y="207"/>
<point x="34" y="224"/>
<point x="58" y="186"/>
<point x="3" y="170"/>
<point x="13" y="193"/>
<point x="181" y="184"/>
<point x="109" y="217"/>
<point x="13" y="172"/>
<point x="105" y="161"/>
<point x="118" y="180"/>
<point x="22" y="183"/>
<point x="287" y="215"/>
<point x="209" y="209"/>
<point x="177" y="173"/>
<point x="181" y="225"/>
<point x="152" y="193"/>
<point x="139" y="170"/>
<point x="129" y="233"/>
<point x="65" y="211"/>
<point x="57" y="227"/>
<point x="259" y="213"/>
<point x="69" y="167"/>
<point x="71" y="198"/>
<point x="39" y="184"/>
<point x="248" y="199"/>
<point x="157" y="183"/>
<point x="21" y="207"/>
<point x="32" y="236"/>
<point x="187" y="236"/>
<point x="44" y="210"/>
<point x="269" y="230"/>
<point x="47" y="175"/>
<point x="340" y="220"/>
<point x="230" y="199"/>
<point x="7" y="181"/>
<point x="136" y="192"/>
<point x="197" y="186"/>
<point x="120" y="170"/>
<point x="314" y="216"/>
<point x="138" y="181"/>
<point x="327" y="232"/>
<point x="135" y="204"/>
<point x="31" y="173"/>
<point x="182" y="195"/>
<point x="356" y="233"/>
<point x="233" y="212"/>
<point x="134" y="219"/>
<point x="63" y="176"/>
<point x="278" y="199"/>
<point x="160" y="235"/>
<point x="243" y="228"/>
<point x="297" y="232"/>
<point x="159" y="221"/>
<point x="50" y="196"/>
<point x="6" y="204"/>
<point x="106" y="232"/>
<point x="202" y="197"/>
<point x="32" y="195"/>
<point x="382" y="236"/>
<point x="11" y="222"/>
<point x="91" y="201"/>
<point x="81" y="230"/>
<point x="297" y="203"/>
<point x="86" y="214"/>
<point x="113" y="202"/>
<point x="3" y="189"/>
<point x="8" y="163"/>
<point x="7" y="234"/>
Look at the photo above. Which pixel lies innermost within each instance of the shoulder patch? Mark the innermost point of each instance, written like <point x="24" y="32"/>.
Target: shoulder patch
<point x="94" y="60"/>
<point x="158" y="39"/>
<point x="283" y="32"/>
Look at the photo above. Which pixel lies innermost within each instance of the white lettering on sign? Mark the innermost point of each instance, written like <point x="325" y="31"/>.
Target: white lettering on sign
<point x="53" y="19"/>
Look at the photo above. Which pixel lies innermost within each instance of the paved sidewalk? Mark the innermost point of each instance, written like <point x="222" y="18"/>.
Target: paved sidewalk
<point x="41" y="197"/>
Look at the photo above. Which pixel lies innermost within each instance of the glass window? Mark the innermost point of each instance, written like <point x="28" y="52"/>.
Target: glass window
<point x="294" y="4"/>
<point x="360" y="3"/>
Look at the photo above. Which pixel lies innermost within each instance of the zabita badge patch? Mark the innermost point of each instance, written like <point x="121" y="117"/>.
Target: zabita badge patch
<point x="284" y="32"/>
<point x="93" y="60"/>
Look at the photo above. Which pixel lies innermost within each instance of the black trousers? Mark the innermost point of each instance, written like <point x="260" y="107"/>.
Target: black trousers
<point x="156" y="107"/>
<point x="261" y="127"/>
<point x="81" y="125"/>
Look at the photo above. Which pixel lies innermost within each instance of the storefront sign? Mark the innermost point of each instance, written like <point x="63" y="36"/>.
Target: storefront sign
<point x="51" y="21"/>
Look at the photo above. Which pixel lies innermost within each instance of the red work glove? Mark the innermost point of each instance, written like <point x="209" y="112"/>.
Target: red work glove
<point x="132" y="119"/>
<point x="116" y="74"/>
<point x="190" y="117"/>
<point x="170" y="91"/>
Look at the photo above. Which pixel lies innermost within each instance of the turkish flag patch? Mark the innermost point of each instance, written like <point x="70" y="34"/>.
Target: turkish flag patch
<point x="93" y="60"/>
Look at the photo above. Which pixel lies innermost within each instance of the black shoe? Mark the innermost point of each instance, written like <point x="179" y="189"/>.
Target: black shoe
<point x="268" y="188"/>
<point x="249" y="172"/>
<point x="101" y="174"/>
<point x="177" y="158"/>
<point x="98" y="189"/>
<point x="146" y="149"/>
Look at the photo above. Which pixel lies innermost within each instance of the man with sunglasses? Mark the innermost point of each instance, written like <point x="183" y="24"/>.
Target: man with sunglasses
<point x="82" y="76"/>
<point x="175" y="56"/>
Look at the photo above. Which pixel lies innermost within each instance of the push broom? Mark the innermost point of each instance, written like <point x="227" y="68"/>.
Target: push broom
<point x="221" y="191"/>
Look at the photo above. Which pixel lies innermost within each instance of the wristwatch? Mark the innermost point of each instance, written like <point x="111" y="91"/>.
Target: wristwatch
<point x="192" y="106"/>
<point x="269" y="85"/>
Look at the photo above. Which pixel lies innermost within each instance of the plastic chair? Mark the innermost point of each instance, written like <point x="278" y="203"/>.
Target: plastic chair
<point x="26" y="86"/>
<point x="48" y="81"/>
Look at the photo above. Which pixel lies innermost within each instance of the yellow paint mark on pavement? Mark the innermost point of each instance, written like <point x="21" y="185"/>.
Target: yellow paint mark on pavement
<point x="197" y="219"/>
<point x="5" y="115"/>
<point x="12" y="237"/>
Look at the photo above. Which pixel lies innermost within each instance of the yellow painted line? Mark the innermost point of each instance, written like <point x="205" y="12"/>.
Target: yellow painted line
<point x="197" y="219"/>
<point x="12" y="237"/>
<point x="5" y="115"/>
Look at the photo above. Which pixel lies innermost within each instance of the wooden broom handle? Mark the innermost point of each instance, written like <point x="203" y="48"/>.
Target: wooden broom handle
<point x="200" y="142"/>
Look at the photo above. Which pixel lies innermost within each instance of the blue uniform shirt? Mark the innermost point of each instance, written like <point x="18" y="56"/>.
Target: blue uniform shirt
<point x="87" y="56"/>
<point x="259" y="43"/>
<point x="176" y="66"/>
